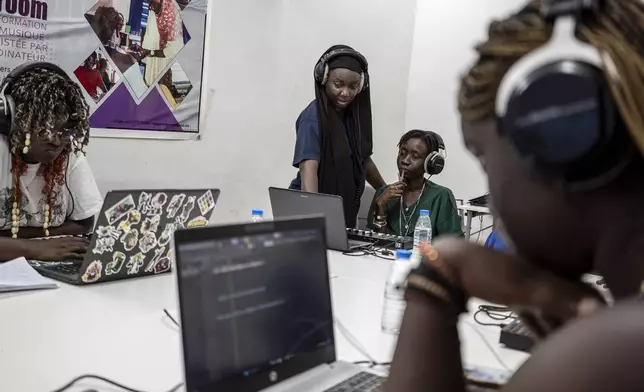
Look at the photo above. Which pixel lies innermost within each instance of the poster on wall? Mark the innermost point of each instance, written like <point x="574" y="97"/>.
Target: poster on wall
<point x="139" y="62"/>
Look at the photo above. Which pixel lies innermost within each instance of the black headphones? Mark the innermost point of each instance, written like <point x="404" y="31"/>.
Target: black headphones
<point x="321" y="70"/>
<point x="7" y="104"/>
<point x="556" y="108"/>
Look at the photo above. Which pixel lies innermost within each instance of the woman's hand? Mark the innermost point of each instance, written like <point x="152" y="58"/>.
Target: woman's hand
<point x="393" y="191"/>
<point x="546" y="300"/>
<point x="57" y="249"/>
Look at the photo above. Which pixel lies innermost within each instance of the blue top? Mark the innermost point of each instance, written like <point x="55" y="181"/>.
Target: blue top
<point x="257" y="212"/>
<point x="308" y="144"/>
<point x="424" y="213"/>
<point x="402" y="254"/>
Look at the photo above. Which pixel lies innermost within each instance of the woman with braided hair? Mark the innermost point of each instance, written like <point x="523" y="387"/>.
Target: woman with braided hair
<point x="46" y="185"/>
<point x="556" y="233"/>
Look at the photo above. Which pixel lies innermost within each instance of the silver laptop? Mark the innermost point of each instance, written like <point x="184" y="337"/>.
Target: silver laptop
<point x="289" y="203"/>
<point x="256" y="310"/>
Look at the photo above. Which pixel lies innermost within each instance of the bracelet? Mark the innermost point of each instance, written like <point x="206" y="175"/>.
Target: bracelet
<point x="423" y="284"/>
<point x="380" y="224"/>
<point x="380" y="218"/>
<point x="433" y="292"/>
<point x="431" y="281"/>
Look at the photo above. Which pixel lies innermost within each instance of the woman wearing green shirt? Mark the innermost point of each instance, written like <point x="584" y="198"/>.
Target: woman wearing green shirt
<point x="414" y="192"/>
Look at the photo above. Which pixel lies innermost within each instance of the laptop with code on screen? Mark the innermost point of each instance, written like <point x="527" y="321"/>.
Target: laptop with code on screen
<point x="256" y="311"/>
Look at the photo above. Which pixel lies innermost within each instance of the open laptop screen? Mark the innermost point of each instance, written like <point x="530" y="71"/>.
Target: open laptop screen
<point x="256" y="308"/>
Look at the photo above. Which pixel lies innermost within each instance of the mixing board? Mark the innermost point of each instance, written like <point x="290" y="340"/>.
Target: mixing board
<point x="380" y="239"/>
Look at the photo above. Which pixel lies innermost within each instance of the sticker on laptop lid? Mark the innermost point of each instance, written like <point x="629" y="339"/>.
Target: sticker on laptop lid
<point x="130" y="239"/>
<point x="93" y="272"/>
<point x="165" y="263"/>
<point x="156" y="203"/>
<point x="103" y="245"/>
<point x="115" y="266"/>
<point x="144" y="200"/>
<point x="147" y="242"/>
<point x="151" y="224"/>
<point x="199" y="221"/>
<point x="120" y="209"/>
<point x="157" y="256"/>
<point x="206" y="202"/>
<point x="134" y="264"/>
<point x="185" y="212"/>
<point x="108" y="231"/>
<point x="166" y="235"/>
<point x="175" y="204"/>
<point x="133" y="218"/>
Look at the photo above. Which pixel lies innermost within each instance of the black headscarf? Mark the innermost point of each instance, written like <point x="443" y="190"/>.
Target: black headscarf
<point x="342" y="170"/>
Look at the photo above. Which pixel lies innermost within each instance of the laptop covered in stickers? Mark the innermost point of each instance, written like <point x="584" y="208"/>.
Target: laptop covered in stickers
<point x="133" y="233"/>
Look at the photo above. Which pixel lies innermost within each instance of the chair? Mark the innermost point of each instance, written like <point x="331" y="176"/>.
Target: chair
<point x="365" y="205"/>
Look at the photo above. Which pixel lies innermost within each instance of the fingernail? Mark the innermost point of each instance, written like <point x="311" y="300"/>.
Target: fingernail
<point x="587" y="306"/>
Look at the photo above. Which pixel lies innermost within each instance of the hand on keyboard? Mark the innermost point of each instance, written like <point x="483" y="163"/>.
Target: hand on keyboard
<point x="58" y="249"/>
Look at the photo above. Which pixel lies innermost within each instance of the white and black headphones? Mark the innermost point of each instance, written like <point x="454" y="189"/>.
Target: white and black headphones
<point x="435" y="161"/>
<point x="321" y="70"/>
<point x="556" y="108"/>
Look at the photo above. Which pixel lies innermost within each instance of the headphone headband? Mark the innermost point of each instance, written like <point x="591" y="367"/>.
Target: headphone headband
<point x="22" y="68"/>
<point x="329" y="56"/>
<point x="321" y="70"/>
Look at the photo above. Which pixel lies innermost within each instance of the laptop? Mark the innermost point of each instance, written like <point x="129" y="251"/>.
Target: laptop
<point x="132" y="235"/>
<point x="289" y="203"/>
<point x="256" y="312"/>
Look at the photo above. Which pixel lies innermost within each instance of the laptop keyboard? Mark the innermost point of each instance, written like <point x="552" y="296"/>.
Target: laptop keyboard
<point x="361" y="382"/>
<point x="66" y="268"/>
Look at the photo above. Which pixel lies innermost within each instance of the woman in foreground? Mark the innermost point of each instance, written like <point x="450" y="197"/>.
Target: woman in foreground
<point x="557" y="234"/>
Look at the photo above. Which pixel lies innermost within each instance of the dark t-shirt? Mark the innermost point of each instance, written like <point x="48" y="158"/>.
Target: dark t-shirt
<point x="437" y="199"/>
<point x="308" y="144"/>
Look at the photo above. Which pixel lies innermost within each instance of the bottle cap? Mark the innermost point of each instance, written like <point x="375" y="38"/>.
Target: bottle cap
<point x="402" y="254"/>
<point x="258" y="212"/>
<point x="424" y="212"/>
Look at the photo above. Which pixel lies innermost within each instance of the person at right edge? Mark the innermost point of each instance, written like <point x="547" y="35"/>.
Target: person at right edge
<point x="334" y="140"/>
<point x="553" y="110"/>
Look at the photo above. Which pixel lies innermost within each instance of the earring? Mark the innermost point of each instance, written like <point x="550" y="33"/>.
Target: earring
<point x="25" y="150"/>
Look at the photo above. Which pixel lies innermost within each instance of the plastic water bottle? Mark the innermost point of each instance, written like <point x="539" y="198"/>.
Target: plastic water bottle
<point x="423" y="229"/>
<point x="422" y="233"/>
<point x="257" y="216"/>
<point x="394" y="306"/>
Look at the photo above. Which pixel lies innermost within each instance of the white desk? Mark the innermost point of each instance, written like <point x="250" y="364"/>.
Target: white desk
<point x="119" y="331"/>
<point x="469" y="211"/>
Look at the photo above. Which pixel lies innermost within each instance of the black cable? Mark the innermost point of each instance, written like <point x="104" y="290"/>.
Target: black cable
<point x="108" y="381"/>
<point x="372" y="364"/>
<point x="167" y="313"/>
<point x="496" y="313"/>
<point x="479" y="232"/>
<point x="483" y="229"/>
<point x="68" y="189"/>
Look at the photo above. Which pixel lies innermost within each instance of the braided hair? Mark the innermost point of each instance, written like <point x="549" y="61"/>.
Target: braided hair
<point x="43" y="98"/>
<point x="616" y="30"/>
<point x="428" y="137"/>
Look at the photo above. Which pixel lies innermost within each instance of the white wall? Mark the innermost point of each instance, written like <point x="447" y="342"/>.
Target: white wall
<point x="260" y="62"/>
<point x="444" y="38"/>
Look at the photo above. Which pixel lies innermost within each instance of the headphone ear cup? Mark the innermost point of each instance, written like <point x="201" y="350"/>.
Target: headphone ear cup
<point x="6" y="106"/>
<point x="325" y="76"/>
<point x="434" y="163"/>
